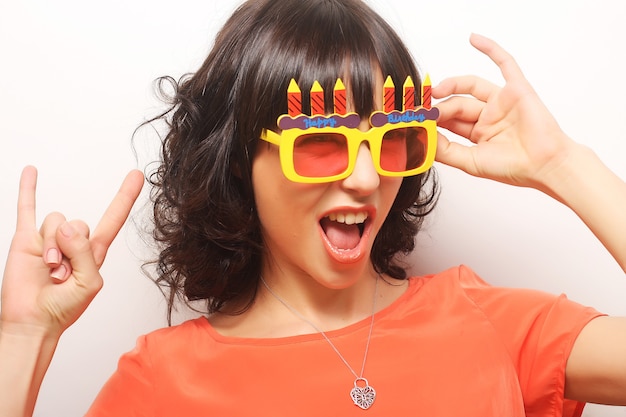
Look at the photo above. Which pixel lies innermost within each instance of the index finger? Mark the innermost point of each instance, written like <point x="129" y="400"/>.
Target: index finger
<point x="115" y="215"/>
<point x="505" y="61"/>
<point x="26" y="199"/>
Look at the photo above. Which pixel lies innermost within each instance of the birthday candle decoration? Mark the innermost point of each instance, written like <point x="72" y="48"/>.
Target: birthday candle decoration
<point x="426" y="94"/>
<point x="408" y="94"/>
<point x="317" y="99"/>
<point x="389" y="91"/>
<point x="340" y="97"/>
<point x="294" y="99"/>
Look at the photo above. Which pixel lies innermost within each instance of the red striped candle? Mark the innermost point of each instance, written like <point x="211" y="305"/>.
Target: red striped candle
<point x="317" y="99"/>
<point x="389" y="91"/>
<point x="426" y="94"/>
<point x="408" y="94"/>
<point x="340" y="97"/>
<point x="294" y="99"/>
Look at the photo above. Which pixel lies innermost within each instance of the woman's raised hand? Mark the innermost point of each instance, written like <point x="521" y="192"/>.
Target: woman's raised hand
<point x="52" y="274"/>
<point x="517" y="140"/>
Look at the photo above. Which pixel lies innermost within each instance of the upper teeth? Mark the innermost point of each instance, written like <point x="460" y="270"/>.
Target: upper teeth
<point x="348" y="218"/>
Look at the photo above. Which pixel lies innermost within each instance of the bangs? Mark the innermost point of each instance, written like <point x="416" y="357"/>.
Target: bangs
<point x="322" y="40"/>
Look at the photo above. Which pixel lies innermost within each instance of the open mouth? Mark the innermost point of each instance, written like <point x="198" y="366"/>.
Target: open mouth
<point x="344" y="230"/>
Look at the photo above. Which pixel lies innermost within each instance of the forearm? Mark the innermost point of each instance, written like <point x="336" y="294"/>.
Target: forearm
<point x="595" y="194"/>
<point x="24" y="360"/>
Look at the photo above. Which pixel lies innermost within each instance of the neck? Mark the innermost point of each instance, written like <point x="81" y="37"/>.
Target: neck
<point x="328" y="307"/>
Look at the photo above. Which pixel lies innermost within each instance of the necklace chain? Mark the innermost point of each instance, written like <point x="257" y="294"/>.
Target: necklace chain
<point x="362" y="396"/>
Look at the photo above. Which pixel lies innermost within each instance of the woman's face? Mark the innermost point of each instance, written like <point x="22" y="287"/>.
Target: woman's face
<point x="323" y="231"/>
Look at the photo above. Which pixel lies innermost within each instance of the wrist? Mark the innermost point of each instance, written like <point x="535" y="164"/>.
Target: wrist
<point x="568" y="172"/>
<point x="25" y="354"/>
<point x="27" y="342"/>
<point x="28" y="331"/>
<point x="589" y="188"/>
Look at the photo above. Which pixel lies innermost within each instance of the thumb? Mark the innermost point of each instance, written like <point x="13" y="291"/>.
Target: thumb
<point x="77" y="249"/>
<point x="456" y="155"/>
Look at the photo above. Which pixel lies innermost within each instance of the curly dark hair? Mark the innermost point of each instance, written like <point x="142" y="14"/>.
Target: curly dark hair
<point x="205" y="222"/>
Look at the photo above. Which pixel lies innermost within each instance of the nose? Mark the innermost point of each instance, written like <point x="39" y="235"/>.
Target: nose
<point x="364" y="179"/>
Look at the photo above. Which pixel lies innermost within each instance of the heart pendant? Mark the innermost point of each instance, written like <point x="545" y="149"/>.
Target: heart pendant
<point x="363" y="397"/>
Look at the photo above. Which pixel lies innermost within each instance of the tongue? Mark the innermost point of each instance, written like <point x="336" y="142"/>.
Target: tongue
<point x="341" y="235"/>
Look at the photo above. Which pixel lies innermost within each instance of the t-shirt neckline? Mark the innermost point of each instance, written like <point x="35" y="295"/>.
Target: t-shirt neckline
<point x="314" y="336"/>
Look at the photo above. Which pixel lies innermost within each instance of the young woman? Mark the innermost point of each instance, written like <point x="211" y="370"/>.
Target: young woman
<point x="283" y="207"/>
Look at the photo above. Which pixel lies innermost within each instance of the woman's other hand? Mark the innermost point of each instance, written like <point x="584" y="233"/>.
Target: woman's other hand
<point x="52" y="273"/>
<point x="514" y="138"/>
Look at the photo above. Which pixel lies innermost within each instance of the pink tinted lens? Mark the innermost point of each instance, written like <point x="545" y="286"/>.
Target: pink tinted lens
<point x="403" y="149"/>
<point x="320" y="154"/>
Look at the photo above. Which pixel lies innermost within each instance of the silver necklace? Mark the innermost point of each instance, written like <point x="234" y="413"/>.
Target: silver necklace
<point x="363" y="395"/>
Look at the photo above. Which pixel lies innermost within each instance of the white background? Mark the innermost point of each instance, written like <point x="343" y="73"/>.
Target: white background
<point x="75" y="80"/>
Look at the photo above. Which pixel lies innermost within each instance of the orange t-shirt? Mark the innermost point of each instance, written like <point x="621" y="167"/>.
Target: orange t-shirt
<point x="450" y="346"/>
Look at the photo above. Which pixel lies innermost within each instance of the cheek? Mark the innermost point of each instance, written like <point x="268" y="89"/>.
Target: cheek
<point x="266" y="174"/>
<point x="277" y="199"/>
<point x="389" y="187"/>
<point x="265" y="166"/>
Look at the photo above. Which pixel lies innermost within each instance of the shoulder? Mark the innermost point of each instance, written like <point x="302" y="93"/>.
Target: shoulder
<point x="458" y="277"/>
<point x="462" y="281"/>
<point x="192" y="327"/>
<point x="163" y="341"/>
<point x="504" y="307"/>
<point x="458" y="281"/>
<point x="156" y="370"/>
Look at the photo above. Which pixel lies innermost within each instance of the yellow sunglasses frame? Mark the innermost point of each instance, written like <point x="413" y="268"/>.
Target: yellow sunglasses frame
<point x="374" y="136"/>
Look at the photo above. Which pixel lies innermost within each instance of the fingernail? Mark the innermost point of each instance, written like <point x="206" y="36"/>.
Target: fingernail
<point x="59" y="272"/>
<point x="67" y="230"/>
<point x="53" y="256"/>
